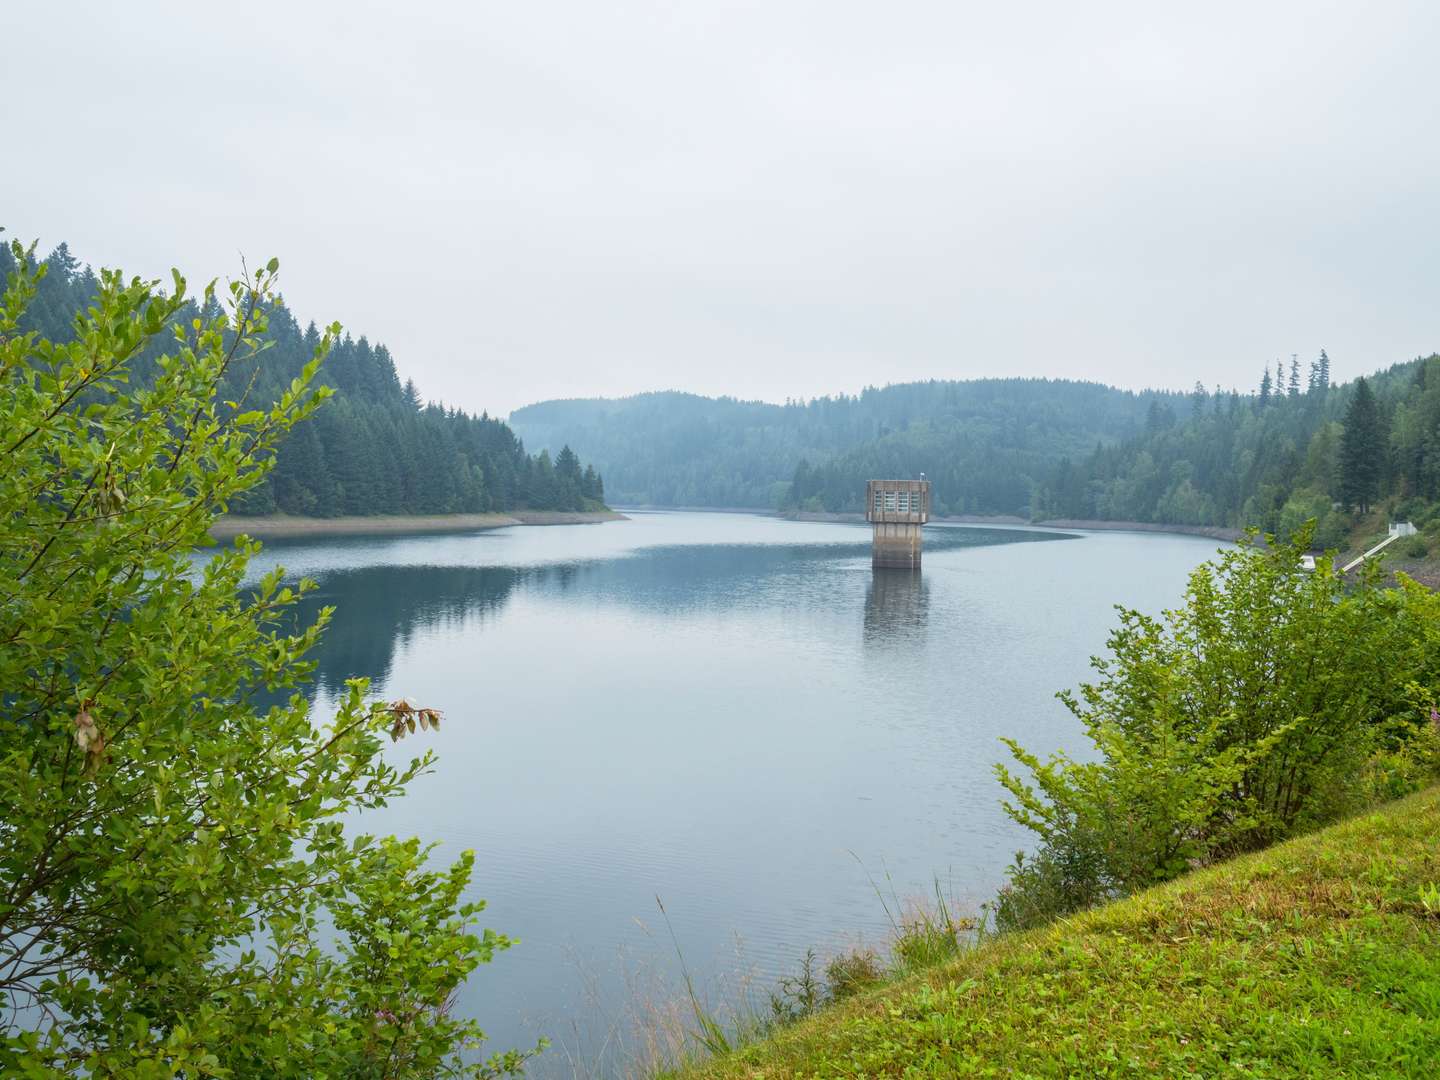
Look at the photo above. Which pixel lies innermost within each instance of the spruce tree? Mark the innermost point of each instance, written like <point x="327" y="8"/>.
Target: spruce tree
<point x="568" y="478"/>
<point x="590" y="486"/>
<point x="1361" y="450"/>
<point x="1198" y="396"/>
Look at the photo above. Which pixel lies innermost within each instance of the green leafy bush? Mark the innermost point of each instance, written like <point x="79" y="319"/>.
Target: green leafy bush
<point x="177" y="896"/>
<point x="1274" y="700"/>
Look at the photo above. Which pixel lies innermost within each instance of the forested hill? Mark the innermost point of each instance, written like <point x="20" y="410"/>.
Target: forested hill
<point x="1295" y="449"/>
<point x="987" y="444"/>
<point x="376" y="447"/>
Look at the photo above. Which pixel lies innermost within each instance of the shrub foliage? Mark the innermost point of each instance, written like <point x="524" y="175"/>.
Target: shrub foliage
<point x="177" y="894"/>
<point x="1274" y="700"/>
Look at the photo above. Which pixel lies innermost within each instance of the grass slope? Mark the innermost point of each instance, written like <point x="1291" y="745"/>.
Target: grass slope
<point x="1320" y="957"/>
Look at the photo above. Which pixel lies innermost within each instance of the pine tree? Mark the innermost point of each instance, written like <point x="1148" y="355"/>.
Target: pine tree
<point x="1361" y="450"/>
<point x="590" y="485"/>
<point x="540" y="490"/>
<point x="1265" y="387"/>
<point x="568" y="479"/>
<point x="1198" y="397"/>
<point x="1294" y="386"/>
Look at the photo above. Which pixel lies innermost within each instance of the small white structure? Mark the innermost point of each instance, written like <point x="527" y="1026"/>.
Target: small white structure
<point x="1397" y="530"/>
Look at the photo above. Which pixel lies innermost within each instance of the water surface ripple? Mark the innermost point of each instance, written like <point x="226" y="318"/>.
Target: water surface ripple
<point x="731" y="712"/>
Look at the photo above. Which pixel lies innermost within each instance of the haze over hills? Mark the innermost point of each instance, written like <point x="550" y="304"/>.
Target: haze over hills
<point x="1294" y="449"/>
<point x="986" y="443"/>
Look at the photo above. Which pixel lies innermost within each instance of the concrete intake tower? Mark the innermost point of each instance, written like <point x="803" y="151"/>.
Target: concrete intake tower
<point x="897" y="509"/>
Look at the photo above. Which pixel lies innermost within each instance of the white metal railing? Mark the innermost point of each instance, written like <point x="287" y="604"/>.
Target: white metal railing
<point x="1383" y="543"/>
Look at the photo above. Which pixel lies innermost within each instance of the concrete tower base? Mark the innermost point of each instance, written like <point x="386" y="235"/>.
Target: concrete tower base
<point x="896" y="546"/>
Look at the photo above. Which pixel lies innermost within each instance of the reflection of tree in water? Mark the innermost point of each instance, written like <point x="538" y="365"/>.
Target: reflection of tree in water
<point x="897" y="607"/>
<point x="380" y="608"/>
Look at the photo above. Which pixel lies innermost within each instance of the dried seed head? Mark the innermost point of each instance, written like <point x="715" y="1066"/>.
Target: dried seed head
<point x="86" y="733"/>
<point x="89" y="739"/>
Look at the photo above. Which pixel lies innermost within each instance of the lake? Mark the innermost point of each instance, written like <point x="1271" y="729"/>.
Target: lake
<point x="731" y="713"/>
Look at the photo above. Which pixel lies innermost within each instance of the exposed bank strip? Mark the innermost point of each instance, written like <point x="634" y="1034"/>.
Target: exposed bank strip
<point x="284" y="526"/>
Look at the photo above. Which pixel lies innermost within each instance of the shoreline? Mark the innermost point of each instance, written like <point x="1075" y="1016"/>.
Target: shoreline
<point x="285" y="526"/>
<point x="1214" y="532"/>
<point x="289" y="527"/>
<point x="855" y="517"/>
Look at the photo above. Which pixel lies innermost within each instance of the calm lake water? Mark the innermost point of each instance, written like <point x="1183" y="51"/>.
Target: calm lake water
<point x="732" y="713"/>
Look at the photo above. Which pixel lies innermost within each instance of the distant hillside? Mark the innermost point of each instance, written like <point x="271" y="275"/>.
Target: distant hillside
<point x="987" y="444"/>
<point x="377" y="447"/>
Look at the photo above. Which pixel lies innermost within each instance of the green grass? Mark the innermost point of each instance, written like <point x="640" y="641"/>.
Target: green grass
<point x="1316" y="958"/>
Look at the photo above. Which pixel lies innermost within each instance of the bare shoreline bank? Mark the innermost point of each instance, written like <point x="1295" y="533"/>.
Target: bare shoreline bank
<point x="287" y="527"/>
<point x="1214" y="532"/>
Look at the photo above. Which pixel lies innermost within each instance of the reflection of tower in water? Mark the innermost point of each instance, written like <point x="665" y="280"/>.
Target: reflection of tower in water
<point x="897" y="607"/>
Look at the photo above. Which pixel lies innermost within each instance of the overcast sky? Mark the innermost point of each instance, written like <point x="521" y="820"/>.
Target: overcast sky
<point x="532" y="200"/>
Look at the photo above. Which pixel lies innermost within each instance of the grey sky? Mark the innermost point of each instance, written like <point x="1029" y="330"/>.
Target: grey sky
<point x="530" y="200"/>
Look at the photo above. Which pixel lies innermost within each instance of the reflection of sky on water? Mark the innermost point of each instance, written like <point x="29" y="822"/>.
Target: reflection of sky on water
<point x="733" y="713"/>
<point x="383" y="605"/>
